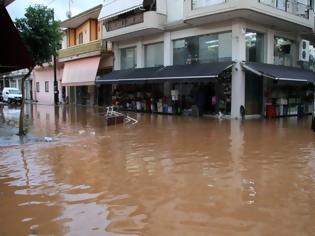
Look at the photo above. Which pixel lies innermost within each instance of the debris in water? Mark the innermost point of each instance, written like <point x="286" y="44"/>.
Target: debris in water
<point x="48" y="139"/>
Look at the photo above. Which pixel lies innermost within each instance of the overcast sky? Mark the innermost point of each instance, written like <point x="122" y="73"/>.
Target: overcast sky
<point x="17" y="8"/>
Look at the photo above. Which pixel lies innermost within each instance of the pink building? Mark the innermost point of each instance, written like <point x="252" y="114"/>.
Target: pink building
<point x="43" y="84"/>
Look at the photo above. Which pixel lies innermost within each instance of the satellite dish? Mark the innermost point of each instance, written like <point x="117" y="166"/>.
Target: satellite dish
<point x="68" y="14"/>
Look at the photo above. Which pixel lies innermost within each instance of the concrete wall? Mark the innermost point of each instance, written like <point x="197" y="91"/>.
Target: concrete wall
<point x="175" y="10"/>
<point x="85" y="30"/>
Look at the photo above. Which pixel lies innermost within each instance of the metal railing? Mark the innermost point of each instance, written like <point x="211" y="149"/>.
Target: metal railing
<point x="290" y="6"/>
<point x="196" y="4"/>
<point x="94" y="46"/>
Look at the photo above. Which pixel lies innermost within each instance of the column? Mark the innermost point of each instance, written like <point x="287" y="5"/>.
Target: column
<point x="140" y="55"/>
<point x="238" y="74"/>
<point x="168" y="60"/>
<point x="117" y="60"/>
<point x="270" y="46"/>
<point x="168" y="48"/>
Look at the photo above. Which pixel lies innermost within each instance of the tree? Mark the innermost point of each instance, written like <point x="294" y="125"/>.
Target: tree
<point x="41" y="35"/>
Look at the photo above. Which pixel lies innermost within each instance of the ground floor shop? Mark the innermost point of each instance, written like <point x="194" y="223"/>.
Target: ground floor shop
<point x="187" y="97"/>
<point x="269" y="90"/>
<point x="188" y="90"/>
<point x="278" y="91"/>
<point x="81" y="95"/>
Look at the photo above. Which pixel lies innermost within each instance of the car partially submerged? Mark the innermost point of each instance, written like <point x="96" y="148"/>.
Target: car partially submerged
<point x="12" y="95"/>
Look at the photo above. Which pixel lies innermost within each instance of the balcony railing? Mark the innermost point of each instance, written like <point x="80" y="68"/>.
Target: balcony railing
<point x="290" y="6"/>
<point x="124" y="22"/>
<point x="196" y="4"/>
<point x="94" y="46"/>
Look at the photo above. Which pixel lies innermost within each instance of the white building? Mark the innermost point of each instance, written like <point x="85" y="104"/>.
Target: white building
<point x="203" y="36"/>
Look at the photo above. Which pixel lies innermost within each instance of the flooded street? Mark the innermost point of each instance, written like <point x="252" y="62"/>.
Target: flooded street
<point x="166" y="175"/>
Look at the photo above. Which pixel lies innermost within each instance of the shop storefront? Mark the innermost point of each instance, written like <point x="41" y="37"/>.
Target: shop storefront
<point x="79" y="80"/>
<point x="280" y="91"/>
<point x="183" y="89"/>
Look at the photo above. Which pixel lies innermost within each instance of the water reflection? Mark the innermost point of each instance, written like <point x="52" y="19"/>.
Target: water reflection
<point x="164" y="176"/>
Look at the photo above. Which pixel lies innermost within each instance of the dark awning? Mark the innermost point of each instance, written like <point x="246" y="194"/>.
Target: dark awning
<point x="14" y="55"/>
<point x="140" y="74"/>
<point x="280" y="72"/>
<point x="211" y="70"/>
<point x="177" y="72"/>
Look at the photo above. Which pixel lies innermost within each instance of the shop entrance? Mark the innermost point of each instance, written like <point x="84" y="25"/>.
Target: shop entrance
<point x="288" y="98"/>
<point x="253" y="94"/>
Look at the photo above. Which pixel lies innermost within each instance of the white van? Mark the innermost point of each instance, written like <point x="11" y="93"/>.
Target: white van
<point x="12" y="95"/>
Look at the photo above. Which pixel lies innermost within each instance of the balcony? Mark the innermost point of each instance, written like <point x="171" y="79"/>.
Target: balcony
<point x="278" y="14"/>
<point x="139" y="24"/>
<point x="291" y="7"/>
<point x="93" y="48"/>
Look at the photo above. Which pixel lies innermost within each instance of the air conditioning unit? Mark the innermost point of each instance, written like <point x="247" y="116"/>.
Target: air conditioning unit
<point x="304" y="50"/>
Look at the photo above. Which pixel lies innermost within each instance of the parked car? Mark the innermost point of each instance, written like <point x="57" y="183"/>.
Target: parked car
<point x="12" y="95"/>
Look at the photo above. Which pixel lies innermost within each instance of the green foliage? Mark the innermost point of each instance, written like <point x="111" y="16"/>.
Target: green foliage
<point x="40" y="32"/>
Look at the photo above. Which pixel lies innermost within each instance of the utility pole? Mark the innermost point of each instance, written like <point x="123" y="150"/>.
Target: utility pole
<point x="56" y="91"/>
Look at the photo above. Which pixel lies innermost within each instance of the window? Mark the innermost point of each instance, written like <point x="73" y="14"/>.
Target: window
<point x="154" y="55"/>
<point x="203" y="49"/>
<point x="285" y="51"/>
<point x="37" y="87"/>
<point x="80" y="38"/>
<point x="254" y="46"/>
<point x="13" y="83"/>
<point x="128" y="58"/>
<point x="47" y="86"/>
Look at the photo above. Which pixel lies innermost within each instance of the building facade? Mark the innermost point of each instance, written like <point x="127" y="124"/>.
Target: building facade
<point x="83" y="56"/>
<point x="210" y="56"/>
<point x="43" y="83"/>
<point x="14" y="80"/>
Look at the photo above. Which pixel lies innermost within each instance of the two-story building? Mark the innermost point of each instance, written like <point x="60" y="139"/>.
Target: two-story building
<point x="83" y="56"/>
<point x="211" y="56"/>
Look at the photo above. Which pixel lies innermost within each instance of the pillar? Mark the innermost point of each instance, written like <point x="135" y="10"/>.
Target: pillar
<point x="238" y="74"/>
<point x="168" y="48"/>
<point x="140" y="55"/>
<point x="270" y="46"/>
<point x="117" y="60"/>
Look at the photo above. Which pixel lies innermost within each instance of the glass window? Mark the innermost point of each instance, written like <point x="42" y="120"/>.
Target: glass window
<point x="208" y="48"/>
<point x="81" y="38"/>
<point x="37" y="87"/>
<point x="154" y="55"/>
<point x="128" y="58"/>
<point x="47" y="86"/>
<point x="284" y="51"/>
<point x="254" y="46"/>
<point x="203" y="49"/>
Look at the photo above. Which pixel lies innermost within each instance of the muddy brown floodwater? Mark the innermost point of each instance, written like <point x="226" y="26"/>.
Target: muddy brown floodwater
<point x="164" y="176"/>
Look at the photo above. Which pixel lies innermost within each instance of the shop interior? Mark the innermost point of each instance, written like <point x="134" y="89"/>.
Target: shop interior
<point x="288" y="98"/>
<point x="190" y="97"/>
